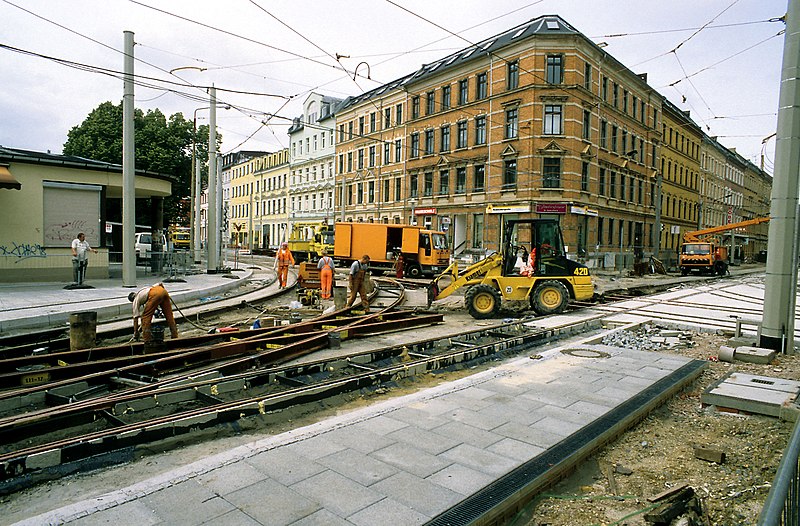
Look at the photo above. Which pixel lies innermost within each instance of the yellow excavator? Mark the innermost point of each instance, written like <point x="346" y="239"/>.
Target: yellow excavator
<point x="700" y="252"/>
<point x="532" y="265"/>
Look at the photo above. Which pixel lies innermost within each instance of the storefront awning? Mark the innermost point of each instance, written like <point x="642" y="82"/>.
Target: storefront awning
<point x="7" y="180"/>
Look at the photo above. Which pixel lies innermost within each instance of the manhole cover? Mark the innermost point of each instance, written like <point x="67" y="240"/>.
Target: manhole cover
<point x="585" y="353"/>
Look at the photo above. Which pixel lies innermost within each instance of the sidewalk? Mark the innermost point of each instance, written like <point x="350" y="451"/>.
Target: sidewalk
<point x="31" y="306"/>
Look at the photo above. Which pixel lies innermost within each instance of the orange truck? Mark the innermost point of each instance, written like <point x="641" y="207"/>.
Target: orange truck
<point x="423" y="251"/>
<point x="702" y="253"/>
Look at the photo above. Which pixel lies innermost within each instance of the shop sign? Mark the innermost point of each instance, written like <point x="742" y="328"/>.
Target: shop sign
<point x="425" y="212"/>
<point x="497" y="209"/>
<point x="583" y="211"/>
<point x="551" y="208"/>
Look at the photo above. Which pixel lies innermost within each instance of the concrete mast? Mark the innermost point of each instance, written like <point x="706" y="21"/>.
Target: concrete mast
<point x="777" y="331"/>
<point x="213" y="219"/>
<point x="128" y="170"/>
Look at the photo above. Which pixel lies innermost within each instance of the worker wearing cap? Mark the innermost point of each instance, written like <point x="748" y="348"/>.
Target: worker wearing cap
<point x="325" y="266"/>
<point x="358" y="282"/>
<point x="145" y="302"/>
<point x="283" y="259"/>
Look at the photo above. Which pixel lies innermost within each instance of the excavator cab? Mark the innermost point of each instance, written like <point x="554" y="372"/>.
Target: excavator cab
<point x="531" y="266"/>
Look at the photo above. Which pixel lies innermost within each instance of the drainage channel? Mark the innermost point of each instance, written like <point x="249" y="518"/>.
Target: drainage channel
<point x="118" y="428"/>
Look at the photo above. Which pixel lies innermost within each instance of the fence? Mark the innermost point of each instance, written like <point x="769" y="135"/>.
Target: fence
<point x="782" y="507"/>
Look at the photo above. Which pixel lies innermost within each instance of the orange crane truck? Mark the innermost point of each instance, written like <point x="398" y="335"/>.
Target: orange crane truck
<point x="702" y="253"/>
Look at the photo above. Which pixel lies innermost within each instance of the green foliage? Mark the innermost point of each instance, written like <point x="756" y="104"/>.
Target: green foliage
<point x="163" y="145"/>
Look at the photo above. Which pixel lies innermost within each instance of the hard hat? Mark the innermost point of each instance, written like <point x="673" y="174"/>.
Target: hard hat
<point x="284" y="244"/>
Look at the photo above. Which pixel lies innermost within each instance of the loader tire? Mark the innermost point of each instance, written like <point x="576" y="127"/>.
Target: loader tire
<point x="483" y="301"/>
<point x="550" y="297"/>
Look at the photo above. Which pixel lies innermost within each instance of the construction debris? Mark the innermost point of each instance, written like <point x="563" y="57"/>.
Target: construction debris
<point x="650" y="338"/>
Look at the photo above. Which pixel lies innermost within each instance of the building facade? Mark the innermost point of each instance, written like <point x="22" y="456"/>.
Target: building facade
<point x="271" y="217"/>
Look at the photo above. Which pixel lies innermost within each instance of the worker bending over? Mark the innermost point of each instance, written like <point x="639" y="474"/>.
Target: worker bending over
<point x="145" y="302"/>
<point x="358" y="282"/>
<point x="283" y="258"/>
<point x="325" y="266"/>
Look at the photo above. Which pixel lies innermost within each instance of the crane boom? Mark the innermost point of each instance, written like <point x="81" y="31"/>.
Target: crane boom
<point x="695" y="236"/>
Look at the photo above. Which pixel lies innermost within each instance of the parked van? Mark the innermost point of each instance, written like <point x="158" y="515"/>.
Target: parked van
<point x="143" y="243"/>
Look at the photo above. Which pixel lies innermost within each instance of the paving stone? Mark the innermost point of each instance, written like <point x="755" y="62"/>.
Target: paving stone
<point x="516" y="450"/>
<point x="134" y="512"/>
<point x="236" y="517"/>
<point x="468" y="434"/>
<point x="358" y="466"/>
<point x="427" y="441"/>
<point x="481" y="419"/>
<point x="435" y="406"/>
<point x="418" y="494"/>
<point x="231" y="477"/>
<point x="387" y="511"/>
<point x="316" y="447"/>
<point x="284" y="465"/>
<point x="269" y="502"/>
<point x="418" y="418"/>
<point x="480" y="459"/>
<point x="336" y="493"/>
<point x="411" y="459"/>
<point x="206" y="504"/>
<point x="321" y="518"/>
<point x="461" y="479"/>
<point x="531" y="434"/>
<point x="556" y="426"/>
<point x="360" y="439"/>
<point x="381" y="424"/>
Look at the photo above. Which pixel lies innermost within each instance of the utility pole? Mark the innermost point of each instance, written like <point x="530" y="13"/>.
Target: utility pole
<point x="213" y="219"/>
<point x="777" y="327"/>
<point x="128" y="171"/>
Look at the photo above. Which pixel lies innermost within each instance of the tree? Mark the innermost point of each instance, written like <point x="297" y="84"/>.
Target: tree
<point x="162" y="145"/>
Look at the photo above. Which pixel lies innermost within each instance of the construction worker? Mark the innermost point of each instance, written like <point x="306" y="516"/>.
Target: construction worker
<point x="145" y="302"/>
<point x="283" y="258"/>
<point x="325" y="266"/>
<point x="358" y="282"/>
<point x="80" y="258"/>
<point x="398" y="266"/>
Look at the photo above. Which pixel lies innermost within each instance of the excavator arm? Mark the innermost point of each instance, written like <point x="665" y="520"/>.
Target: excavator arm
<point x="471" y="275"/>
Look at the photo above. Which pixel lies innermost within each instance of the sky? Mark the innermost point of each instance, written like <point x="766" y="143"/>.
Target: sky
<point x="719" y="59"/>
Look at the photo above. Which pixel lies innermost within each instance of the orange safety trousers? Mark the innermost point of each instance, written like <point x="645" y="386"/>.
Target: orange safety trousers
<point x="157" y="297"/>
<point x="326" y="281"/>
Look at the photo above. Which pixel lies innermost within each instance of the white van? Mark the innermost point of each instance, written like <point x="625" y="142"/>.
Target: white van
<point x="142" y="244"/>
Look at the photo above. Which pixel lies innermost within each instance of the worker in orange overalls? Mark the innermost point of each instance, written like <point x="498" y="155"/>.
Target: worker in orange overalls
<point x="325" y="266"/>
<point x="283" y="259"/>
<point x="145" y="302"/>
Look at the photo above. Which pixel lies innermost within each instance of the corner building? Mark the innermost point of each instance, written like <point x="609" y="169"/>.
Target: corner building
<point x="535" y="122"/>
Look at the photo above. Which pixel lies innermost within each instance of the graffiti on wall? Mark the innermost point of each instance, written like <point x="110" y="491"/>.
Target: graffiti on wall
<point x="64" y="232"/>
<point x="23" y="251"/>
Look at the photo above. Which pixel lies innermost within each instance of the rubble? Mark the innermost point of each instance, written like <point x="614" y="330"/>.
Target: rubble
<point x="650" y="337"/>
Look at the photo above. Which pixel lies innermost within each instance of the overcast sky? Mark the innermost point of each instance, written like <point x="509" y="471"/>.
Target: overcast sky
<point x="720" y="59"/>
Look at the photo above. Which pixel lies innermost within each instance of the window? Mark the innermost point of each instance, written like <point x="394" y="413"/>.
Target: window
<point x="603" y="134"/>
<point x="341" y="163"/>
<point x="461" y="139"/>
<point x="551" y="172"/>
<point x="386" y="189"/>
<point x="481" y="87"/>
<point x="615" y="94"/>
<point x="599" y="231"/>
<point x="463" y="88"/>
<point x="349" y="130"/>
<point x="387" y="118"/>
<point x="552" y="119"/>
<point x="631" y="188"/>
<point x="587" y="124"/>
<point x="414" y="185"/>
<point x="512" y="75"/>
<point x="359" y="193"/>
<point x="430" y="107"/>
<point x="510" y="175"/>
<point x="634" y="103"/>
<point x="461" y="180"/>
<point x="444" y="182"/>
<point x="610" y="231"/>
<point x="625" y="101"/>
<point x="415" y="107"/>
<point x="428" y="184"/>
<point x="555" y="69"/>
<point x="512" y="123"/>
<point x="604" y="89"/>
<point x="612" y="185"/>
<point x="399" y="114"/>
<point x="398" y="148"/>
<point x="613" y="138"/>
<point x="479" y="178"/>
<point x="373" y="126"/>
<point x="477" y="231"/>
<point x="480" y="129"/>
<point x="445" y="97"/>
<point x="371" y="156"/>
<point x="371" y="192"/>
<point x="360" y="126"/>
<point x="601" y="181"/>
<point x="349" y="161"/>
<point x="624" y="142"/>
<point x="415" y="144"/>
<point x="361" y="158"/>
<point x="387" y="152"/>
<point x="585" y="176"/>
<point x="398" y="189"/>
<point x="445" y="139"/>
<point x="587" y="76"/>
<point x="428" y="142"/>
<point x="621" y="187"/>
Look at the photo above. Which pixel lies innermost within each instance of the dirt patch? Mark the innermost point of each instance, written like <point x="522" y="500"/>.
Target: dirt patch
<point x="658" y="454"/>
